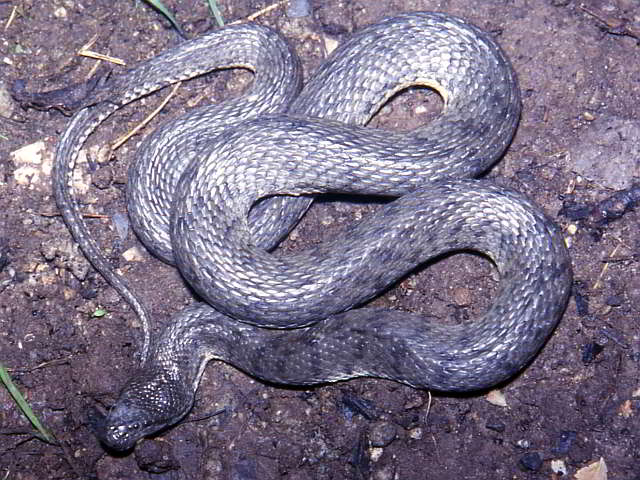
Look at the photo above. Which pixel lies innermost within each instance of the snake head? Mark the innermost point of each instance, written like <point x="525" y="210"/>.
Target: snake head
<point x="146" y="405"/>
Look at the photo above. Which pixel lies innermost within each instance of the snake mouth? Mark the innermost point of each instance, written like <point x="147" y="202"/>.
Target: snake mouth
<point x="144" y="408"/>
<point x="123" y="427"/>
<point x="121" y="437"/>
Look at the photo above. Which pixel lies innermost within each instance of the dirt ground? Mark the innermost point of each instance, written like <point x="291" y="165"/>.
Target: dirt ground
<point x="577" y="154"/>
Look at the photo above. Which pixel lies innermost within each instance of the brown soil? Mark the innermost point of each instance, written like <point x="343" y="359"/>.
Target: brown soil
<point x="578" y="401"/>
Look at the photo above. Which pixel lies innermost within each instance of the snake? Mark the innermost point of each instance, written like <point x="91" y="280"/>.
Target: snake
<point x="215" y="191"/>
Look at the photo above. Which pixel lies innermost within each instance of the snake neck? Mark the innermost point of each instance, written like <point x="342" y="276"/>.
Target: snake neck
<point x="162" y="391"/>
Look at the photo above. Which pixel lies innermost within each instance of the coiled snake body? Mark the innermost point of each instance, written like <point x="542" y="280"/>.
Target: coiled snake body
<point x="192" y="199"/>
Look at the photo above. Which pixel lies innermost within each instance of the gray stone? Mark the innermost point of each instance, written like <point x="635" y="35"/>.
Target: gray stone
<point x="6" y="103"/>
<point x="608" y="152"/>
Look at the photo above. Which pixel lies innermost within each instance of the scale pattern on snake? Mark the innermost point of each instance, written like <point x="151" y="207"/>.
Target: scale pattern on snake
<point x="214" y="191"/>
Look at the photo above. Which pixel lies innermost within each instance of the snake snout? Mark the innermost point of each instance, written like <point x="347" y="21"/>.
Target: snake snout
<point x="124" y="426"/>
<point x="148" y="403"/>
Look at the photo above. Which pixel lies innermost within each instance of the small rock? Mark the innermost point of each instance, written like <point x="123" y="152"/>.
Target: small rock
<point x="617" y="205"/>
<point x="581" y="451"/>
<point x="575" y="210"/>
<point x="415" y="401"/>
<point x="496" y="397"/>
<point x="626" y="409"/>
<point x="462" y="296"/>
<point x="595" y="471"/>
<point x="213" y="466"/>
<point x="327" y="220"/>
<point x="154" y="456"/>
<point x="60" y="12"/>
<point x="4" y="254"/>
<point x="133" y="255"/>
<point x="612" y="138"/>
<point x="388" y="472"/>
<point x="299" y="8"/>
<point x="330" y="44"/>
<point x="102" y="178"/>
<point x="614" y="300"/>
<point x="65" y="254"/>
<point x="582" y="299"/>
<point x="590" y="351"/>
<point x="6" y="103"/>
<point x="382" y="434"/>
<point x="531" y="461"/>
<point x="34" y="165"/>
<point x="559" y="467"/>
<point x="495" y="425"/>
<point x="564" y="441"/>
<point x="121" y="224"/>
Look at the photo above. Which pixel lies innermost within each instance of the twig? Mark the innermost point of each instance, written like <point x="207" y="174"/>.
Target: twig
<point x="85" y="52"/>
<point x="57" y="361"/>
<point x="12" y="17"/>
<point x="118" y="143"/>
<point x="84" y="215"/>
<point x="605" y="267"/>
<point x="259" y="13"/>
<point x="101" y="56"/>
<point x="614" y="25"/>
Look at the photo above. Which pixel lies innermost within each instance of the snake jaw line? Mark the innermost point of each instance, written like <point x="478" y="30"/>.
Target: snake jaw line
<point x="147" y="404"/>
<point x="122" y="434"/>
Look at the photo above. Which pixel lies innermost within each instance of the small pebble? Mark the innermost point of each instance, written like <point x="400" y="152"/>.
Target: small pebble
<point x="614" y="300"/>
<point x="495" y="425"/>
<point x="4" y="255"/>
<point x="299" y="8"/>
<point x="462" y="296"/>
<point x="388" y="472"/>
<point x="496" y="397"/>
<point x="60" y="12"/>
<point x="531" y="461"/>
<point x="582" y="303"/>
<point x="382" y="434"/>
<point x="154" y="456"/>
<point x="590" y="351"/>
<point x="6" y="103"/>
<point x="558" y="467"/>
<point x="415" y="401"/>
<point x="564" y="441"/>
<point x="121" y="224"/>
<point x="575" y="210"/>
<point x="133" y="255"/>
<point x="330" y="44"/>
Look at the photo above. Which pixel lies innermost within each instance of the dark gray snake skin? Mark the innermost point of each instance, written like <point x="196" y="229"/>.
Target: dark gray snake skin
<point x="214" y="191"/>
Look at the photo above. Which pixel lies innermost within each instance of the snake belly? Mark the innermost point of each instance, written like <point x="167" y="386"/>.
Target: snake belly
<point x="214" y="191"/>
